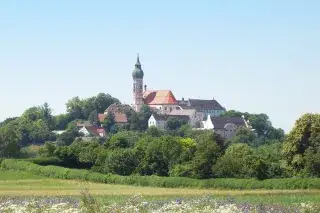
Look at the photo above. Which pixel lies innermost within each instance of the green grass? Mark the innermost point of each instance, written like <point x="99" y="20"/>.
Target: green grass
<point x="12" y="175"/>
<point x="24" y="184"/>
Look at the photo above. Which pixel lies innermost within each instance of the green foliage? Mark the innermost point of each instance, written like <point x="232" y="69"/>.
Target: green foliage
<point x="82" y="108"/>
<point x="93" y="117"/>
<point x="158" y="155"/>
<point x="45" y="161"/>
<point x="30" y="151"/>
<point x="124" y="139"/>
<point x="302" y="146"/>
<point x="139" y="121"/>
<point x="47" y="149"/>
<point x="10" y="139"/>
<point x="119" y="161"/>
<point x="61" y="121"/>
<point x="6" y="121"/>
<point x="260" y="123"/>
<point x="174" y="123"/>
<point x="154" y="131"/>
<point x="66" y="138"/>
<point x="155" y="181"/>
<point x="236" y="162"/>
<point x="245" y="135"/>
<point x="206" y="155"/>
<point x="109" y="122"/>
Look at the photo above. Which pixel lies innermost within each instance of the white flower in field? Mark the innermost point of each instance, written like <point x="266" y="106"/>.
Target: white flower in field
<point x="306" y="207"/>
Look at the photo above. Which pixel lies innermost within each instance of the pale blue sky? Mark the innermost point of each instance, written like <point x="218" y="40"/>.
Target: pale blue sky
<point x="255" y="56"/>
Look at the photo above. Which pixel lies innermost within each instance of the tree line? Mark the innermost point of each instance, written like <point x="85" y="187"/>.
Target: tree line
<point x="177" y="151"/>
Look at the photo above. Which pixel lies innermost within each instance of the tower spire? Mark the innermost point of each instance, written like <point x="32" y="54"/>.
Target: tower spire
<point x="138" y="64"/>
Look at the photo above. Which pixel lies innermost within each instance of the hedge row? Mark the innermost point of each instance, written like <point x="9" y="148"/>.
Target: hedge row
<point x="155" y="181"/>
<point x="45" y="161"/>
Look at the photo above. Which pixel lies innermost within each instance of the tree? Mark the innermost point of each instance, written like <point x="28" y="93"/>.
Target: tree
<point x="157" y="155"/>
<point x="67" y="138"/>
<point x="302" y="143"/>
<point x="61" y="121"/>
<point x="74" y="107"/>
<point x="124" y="139"/>
<point x="46" y="113"/>
<point x="82" y="108"/>
<point x="245" y="135"/>
<point x="208" y="151"/>
<point x="109" y="122"/>
<point x="103" y="101"/>
<point x="8" y="120"/>
<point x="237" y="162"/>
<point x="154" y="131"/>
<point x="139" y="120"/>
<point x="47" y="149"/>
<point x="174" y="123"/>
<point x="144" y="115"/>
<point x="10" y="138"/>
<point x="93" y="117"/>
<point x="120" y="161"/>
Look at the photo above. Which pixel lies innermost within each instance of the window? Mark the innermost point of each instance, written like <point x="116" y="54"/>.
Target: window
<point x="165" y="108"/>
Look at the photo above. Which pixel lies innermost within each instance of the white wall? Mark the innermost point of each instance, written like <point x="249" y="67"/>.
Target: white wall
<point x="84" y="131"/>
<point x="153" y="122"/>
<point x="166" y="108"/>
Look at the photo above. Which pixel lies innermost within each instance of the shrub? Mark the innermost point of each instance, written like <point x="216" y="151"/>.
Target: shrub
<point x="156" y="181"/>
<point x="46" y="161"/>
<point x="30" y="151"/>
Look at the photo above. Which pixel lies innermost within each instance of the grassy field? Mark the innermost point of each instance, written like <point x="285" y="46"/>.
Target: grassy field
<point x="24" y="184"/>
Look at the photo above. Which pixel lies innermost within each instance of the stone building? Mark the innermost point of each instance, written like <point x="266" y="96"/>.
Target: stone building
<point x="207" y="107"/>
<point x="226" y="127"/>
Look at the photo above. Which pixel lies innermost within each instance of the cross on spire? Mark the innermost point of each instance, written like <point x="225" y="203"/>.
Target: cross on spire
<point x="138" y="64"/>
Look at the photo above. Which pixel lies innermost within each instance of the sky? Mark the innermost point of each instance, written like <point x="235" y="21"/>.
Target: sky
<point x="254" y="56"/>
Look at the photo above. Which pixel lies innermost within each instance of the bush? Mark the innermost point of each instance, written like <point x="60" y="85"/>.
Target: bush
<point x="156" y="181"/>
<point x="30" y="151"/>
<point x="46" y="161"/>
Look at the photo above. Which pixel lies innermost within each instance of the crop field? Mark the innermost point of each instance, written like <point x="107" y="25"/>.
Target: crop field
<point x="15" y="186"/>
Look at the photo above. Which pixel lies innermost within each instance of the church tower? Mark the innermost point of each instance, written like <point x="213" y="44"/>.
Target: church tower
<point x="137" y="76"/>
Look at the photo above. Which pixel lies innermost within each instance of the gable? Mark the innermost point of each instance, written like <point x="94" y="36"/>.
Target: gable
<point x="159" y="97"/>
<point x="222" y="122"/>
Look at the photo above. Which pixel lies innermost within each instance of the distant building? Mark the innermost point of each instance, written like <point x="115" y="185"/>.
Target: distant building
<point x="118" y="108"/>
<point x="195" y="117"/>
<point x="119" y="118"/>
<point x="119" y="113"/>
<point x="159" y="121"/>
<point x="207" y="107"/>
<point x="162" y="100"/>
<point x="92" y="131"/>
<point x="226" y="127"/>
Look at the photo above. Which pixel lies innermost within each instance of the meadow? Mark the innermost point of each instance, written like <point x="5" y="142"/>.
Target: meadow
<point x="19" y="189"/>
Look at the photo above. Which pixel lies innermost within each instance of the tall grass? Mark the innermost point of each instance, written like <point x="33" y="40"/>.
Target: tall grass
<point x="156" y="181"/>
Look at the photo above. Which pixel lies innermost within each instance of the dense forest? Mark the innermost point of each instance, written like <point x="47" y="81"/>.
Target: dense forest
<point x="178" y="151"/>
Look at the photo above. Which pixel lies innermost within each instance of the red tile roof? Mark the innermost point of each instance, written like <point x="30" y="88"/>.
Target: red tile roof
<point x="101" y="117"/>
<point x="118" y="117"/>
<point x="92" y="130"/>
<point x="159" y="97"/>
